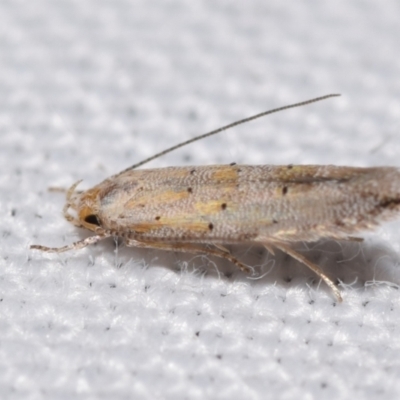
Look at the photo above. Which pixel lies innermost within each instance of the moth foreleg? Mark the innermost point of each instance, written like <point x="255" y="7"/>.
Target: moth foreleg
<point x="73" y="246"/>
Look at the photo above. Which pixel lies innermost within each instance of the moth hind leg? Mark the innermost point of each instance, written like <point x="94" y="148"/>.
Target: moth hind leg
<point x="354" y="239"/>
<point x="218" y="251"/>
<point x="317" y="270"/>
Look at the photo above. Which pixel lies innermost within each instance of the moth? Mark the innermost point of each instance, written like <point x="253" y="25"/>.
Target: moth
<point x="200" y="209"/>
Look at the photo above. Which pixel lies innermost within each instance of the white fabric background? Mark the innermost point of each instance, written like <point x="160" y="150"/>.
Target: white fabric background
<point x="88" y="88"/>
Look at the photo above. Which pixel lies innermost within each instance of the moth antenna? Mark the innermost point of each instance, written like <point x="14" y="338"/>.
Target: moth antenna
<point x="226" y="127"/>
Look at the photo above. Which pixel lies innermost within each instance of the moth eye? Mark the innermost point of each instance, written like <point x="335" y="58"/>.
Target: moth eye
<point x="92" y="219"/>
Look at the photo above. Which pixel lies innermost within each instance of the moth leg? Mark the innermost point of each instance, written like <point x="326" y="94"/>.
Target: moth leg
<point x="73" y="246"/>
<point x="190" y="248"/>
<point x="222" y="248"/>
<point x="299" y="257"/>
<point x="269" y="248"/>
<point x="355" y="239"/>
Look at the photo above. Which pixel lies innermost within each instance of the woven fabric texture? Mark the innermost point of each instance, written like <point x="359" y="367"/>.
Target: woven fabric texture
<point x="88" y="88"/>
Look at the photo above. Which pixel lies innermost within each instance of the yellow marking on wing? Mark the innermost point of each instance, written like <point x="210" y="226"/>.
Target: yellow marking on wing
<point x="225" y="173"/>
<point x="212" y="207"/>
<point x="296" y="171"/>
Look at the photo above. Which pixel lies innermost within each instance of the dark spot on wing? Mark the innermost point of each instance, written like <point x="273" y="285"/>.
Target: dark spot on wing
<point x="389" y="203"/>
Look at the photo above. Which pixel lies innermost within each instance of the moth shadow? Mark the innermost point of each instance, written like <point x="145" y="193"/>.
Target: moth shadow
<point x="346" y="263"/>
<point x="349" y="263"/>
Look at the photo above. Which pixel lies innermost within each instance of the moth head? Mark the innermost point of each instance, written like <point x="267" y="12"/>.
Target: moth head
<point x="88" y="210"/>
<point x="86" y="207"/>
<point x="89" y="219"/>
